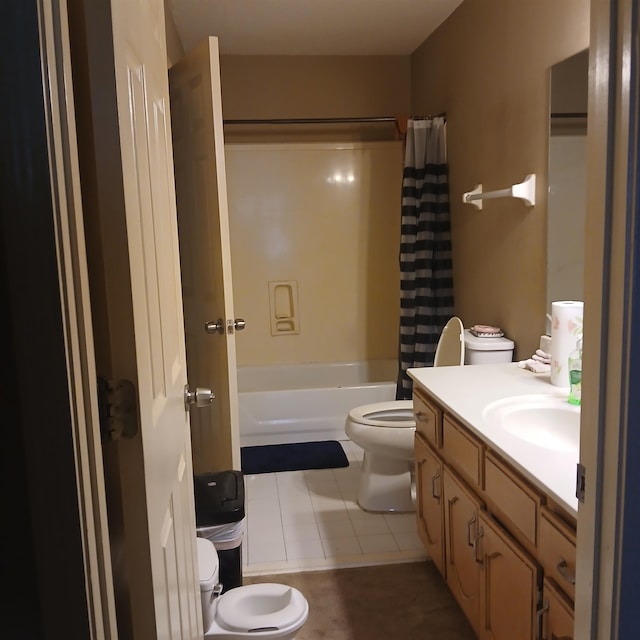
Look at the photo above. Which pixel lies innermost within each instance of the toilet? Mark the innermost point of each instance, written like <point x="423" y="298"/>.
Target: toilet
<point x="266" y="610"/>
<point x="385" y="430"/>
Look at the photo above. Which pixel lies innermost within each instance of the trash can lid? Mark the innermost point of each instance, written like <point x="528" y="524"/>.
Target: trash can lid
<point x="219" y="497"/>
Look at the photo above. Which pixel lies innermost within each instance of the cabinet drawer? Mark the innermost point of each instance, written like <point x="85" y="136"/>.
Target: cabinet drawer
<point x="557" y="551"/>
<point x="513" y="497"/>
<point x="557" y="614"/>
<point x="428" y="419"/>
<point x="462" y="451"/>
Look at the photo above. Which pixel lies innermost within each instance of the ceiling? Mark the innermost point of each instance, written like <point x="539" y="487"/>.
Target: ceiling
<point x="310" y="27"/>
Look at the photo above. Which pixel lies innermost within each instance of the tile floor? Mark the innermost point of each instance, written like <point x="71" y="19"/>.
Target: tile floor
<point x="303" y="520"/>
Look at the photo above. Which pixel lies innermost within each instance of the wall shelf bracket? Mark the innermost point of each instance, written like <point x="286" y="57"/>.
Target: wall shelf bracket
<point x="525" y="190"/>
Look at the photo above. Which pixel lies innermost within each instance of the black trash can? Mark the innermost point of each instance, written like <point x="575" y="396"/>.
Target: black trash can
<point x="219" y="498"/>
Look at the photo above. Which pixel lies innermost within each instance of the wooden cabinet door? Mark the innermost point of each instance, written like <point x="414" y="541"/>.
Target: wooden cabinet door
<point x="510" y="581"/>
<point x="557" y="614"/>
<point x="429" y="502"/>
<point x="461" y="511"/>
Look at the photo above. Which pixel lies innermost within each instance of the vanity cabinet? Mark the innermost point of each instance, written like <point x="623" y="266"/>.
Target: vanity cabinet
<point x="429" y="512"/>
<point x="558" y="551"/>
<point x="510" y="579"/>
<point x="506" y="550"/>
<point x="462" y="508"/>
<point x="556" y="614"/>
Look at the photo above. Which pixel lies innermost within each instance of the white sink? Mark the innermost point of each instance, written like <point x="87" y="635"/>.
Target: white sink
<point x="546" y="421"/>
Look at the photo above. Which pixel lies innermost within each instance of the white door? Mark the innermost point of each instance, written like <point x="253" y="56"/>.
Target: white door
<point x="203" y="220"/>
<point x="130" y="215"/>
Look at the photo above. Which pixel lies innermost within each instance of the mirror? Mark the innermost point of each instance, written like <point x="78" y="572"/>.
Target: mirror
<point x="567" y="179"/>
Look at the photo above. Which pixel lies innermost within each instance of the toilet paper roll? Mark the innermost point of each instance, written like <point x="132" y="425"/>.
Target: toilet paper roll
<point x="566" y="328"/>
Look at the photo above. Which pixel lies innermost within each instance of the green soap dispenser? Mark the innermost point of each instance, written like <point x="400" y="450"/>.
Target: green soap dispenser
<point x="575" y="374"/>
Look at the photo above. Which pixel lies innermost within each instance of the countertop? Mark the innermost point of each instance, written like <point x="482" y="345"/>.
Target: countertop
<point x="465" y="391"/>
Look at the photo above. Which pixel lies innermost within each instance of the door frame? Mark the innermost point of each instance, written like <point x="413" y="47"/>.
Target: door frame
<point x="61" y="525"/>
<point x="609" y="424"/>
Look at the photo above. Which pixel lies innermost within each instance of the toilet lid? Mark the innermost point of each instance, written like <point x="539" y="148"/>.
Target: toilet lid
<point x="261" y="607"/>
<point x="208" y="564"/>
<point x="395" y="413"/>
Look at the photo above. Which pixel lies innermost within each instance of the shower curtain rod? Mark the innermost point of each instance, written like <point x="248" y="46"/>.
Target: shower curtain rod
<point x="372" y="119"/>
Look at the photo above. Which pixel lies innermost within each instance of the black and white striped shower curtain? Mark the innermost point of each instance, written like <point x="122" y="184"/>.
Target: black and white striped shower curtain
<point x="426" y="279"/>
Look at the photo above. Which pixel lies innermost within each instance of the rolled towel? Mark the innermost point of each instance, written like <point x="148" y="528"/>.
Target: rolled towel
<point x="535" y="366"/>
<point x="543" y="355"/>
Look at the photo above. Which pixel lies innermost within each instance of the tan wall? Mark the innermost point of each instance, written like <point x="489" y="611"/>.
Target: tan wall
<point x="314" y="86"/>
<point x="488" y="66"/>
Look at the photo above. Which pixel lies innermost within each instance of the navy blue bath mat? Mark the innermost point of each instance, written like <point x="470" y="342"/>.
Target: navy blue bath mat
<point x="269" y="458"/>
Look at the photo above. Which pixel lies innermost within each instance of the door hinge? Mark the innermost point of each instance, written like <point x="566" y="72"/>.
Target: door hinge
<point x="581" y="481"/>
<point x="117" y="408"/>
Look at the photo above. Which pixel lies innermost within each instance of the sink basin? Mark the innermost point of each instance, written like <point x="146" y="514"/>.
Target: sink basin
<point x="549" y="421"/>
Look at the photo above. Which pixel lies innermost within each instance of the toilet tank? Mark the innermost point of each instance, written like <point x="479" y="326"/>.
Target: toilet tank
<point x="208" y="574"/>
<point x="487" y="350"/>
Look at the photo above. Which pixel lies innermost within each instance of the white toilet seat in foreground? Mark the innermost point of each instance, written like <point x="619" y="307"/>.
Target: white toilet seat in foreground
<point x="268" y="611"/>
<point x="261" y="607"/>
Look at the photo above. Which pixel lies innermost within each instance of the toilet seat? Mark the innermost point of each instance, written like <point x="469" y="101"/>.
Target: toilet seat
<point x="266" y="611"/>
<point x="261" y="607"/>
<point x="396" y="414"/>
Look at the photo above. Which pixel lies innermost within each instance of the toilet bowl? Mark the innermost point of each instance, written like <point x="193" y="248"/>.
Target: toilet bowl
<point x="385" y="430"/>
<point x="266" y="610"/>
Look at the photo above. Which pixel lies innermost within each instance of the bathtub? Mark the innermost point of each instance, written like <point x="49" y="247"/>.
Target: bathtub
<point x="301" y="403"/>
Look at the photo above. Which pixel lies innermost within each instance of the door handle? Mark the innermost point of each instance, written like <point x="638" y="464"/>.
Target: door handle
<point x="201" y="397"/>
<point x="214" y="327"/>
<point x="218" y="326"/>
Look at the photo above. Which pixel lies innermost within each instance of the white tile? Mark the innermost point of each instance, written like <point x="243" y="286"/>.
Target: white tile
<point x="377" y="543"/>
<point x="336" y="529"/>
<point x="344" y="546"/>
<point x="253" y="481"/>
<point x="339" y="515"/>
<point x="350" y="495"/>
<point x="324" y="504"/>
<point x="266" y="547"/>
<point x="300" y="532"/>
<point x="325" y="490"/>
<point x="269" y="519"/>
<point x="401" y="522"/>
<point x="260" y="487"/>
<point x="370" y="526"/>
<point x="305" y="548"/>
<point x="318" y="475"/>
<point x="352" y="450"/>
<point x="295" y="503"/>
<point x="408" y="541"/>
<point x="301" y="518"/>
<point x="292" y="481"/>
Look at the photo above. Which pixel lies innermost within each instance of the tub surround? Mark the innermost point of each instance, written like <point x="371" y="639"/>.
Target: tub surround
<point x="466" y="391"/>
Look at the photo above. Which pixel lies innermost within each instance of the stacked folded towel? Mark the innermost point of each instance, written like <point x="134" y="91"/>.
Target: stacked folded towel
<point x="539" y="362"/>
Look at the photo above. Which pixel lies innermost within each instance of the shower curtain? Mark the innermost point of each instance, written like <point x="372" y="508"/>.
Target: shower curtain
<point x="426" y="279"/>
